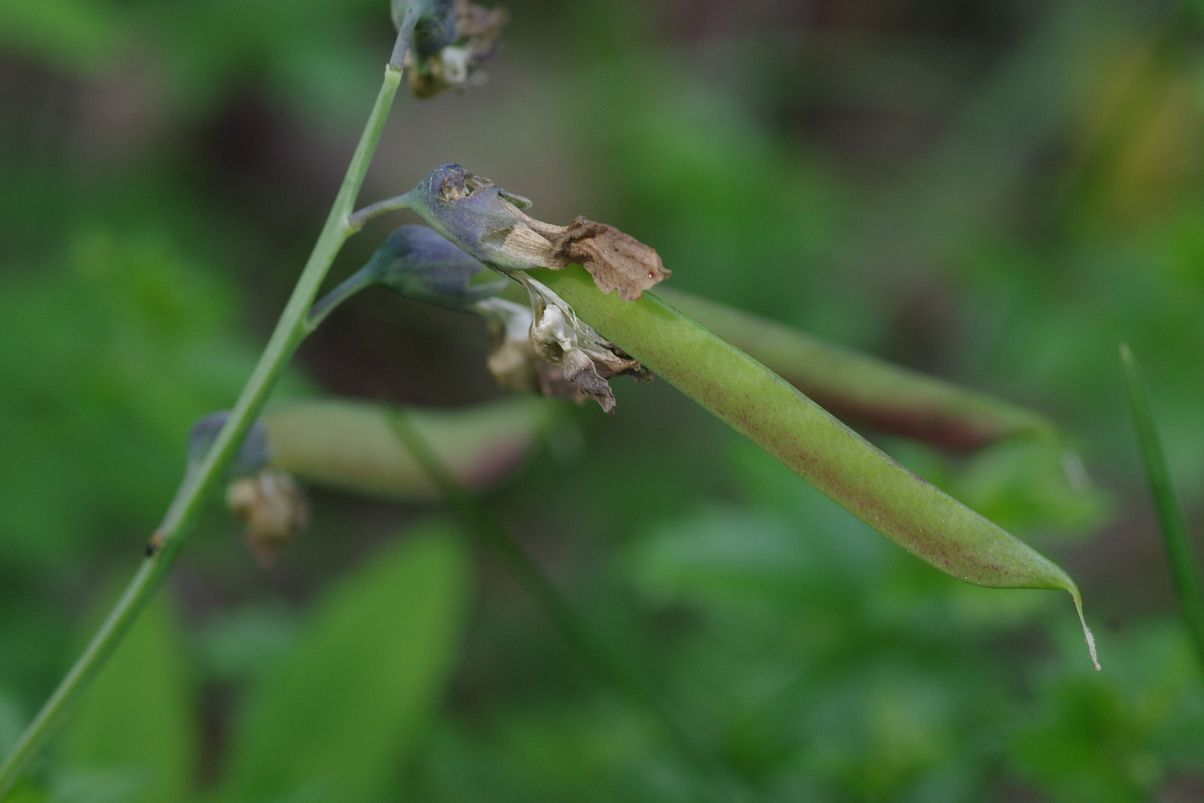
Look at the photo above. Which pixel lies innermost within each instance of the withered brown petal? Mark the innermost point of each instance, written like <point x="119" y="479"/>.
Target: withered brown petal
<point x="522" y="243"/>
<point x="616" y="260"/>
<point x="274" y="509"/>
<point x="579" y="369"/>
<point x="512" y="362"/>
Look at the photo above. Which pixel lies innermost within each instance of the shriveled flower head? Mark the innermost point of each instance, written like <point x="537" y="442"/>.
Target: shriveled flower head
<point x="552" y="354"/>
<point x="481" y="218"/>
<point x="273" y="509"/>
<point x="449" y="42"/>
<point x="490" y="223"/>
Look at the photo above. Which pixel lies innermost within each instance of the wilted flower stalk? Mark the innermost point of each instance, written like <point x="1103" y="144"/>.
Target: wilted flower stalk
<point x="449" y="41"/>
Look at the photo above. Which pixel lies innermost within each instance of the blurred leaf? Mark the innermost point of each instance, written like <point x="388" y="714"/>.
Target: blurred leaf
<point x="1170" y="516"/>
<point x="1117" y="736"/>
<point x="143" y="343"/>
<point x="312" y="55"/>
<point x="722" y="556"/>
<point x="12" y="721"/>
<point x="240" y="645"/>
<point x="73" y="34"/>
<point x="338" y="716"/>
<point x="1030" y="483"/>
<point x="132" y="738"/>
<point x="27" y="793"/>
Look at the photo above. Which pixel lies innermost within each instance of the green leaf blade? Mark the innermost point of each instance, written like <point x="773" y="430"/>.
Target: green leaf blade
<point x="344" y="709"/>
<point x="132" y="738"/>
<point x="1170" y="514"/>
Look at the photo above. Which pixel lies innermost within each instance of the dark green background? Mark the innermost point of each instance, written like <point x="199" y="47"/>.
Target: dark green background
<point x="996" y="192"/>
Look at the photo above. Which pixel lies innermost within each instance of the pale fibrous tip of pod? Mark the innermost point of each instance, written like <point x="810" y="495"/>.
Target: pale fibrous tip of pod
<point x="1088" y="636"/>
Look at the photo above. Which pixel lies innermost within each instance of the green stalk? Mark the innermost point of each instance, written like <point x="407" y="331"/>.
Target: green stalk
<point x="198" y="483"/>
<point x="609" y="667"/>
<point x="773" y="414"/>
<point x="1170" y="515"/>
<point x="332" y="300"/>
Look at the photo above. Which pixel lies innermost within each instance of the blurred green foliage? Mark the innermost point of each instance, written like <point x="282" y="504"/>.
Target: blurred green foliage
<point x="997" y="194"/>
<point x="144" y="694"/>
<point x="345" y="706"/>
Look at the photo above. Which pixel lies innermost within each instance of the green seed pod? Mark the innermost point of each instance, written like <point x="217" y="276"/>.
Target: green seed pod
<point x="353" y="445"/>
<point x="766" y="409"/>
<point x="864" y="389"/>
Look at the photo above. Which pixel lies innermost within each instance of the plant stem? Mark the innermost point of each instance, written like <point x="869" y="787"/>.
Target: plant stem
<point x="1170" y="515"/>
<point x="609" y="667"/>
<point x="331" y="301"/>
<point x="395" y="204"/>
<point x="290" y="330"/>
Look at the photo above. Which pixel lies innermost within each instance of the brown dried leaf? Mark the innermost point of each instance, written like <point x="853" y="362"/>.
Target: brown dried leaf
<point x="615" y="259"/>
<point x="581" y="371"/>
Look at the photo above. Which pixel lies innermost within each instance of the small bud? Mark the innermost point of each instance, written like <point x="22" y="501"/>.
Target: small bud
<point x="273" y="509"/>
<point x="253" y="455"/>
<point x="489" y="223"/>
<point x="449" y="42"/>
<point x="419" y="263"/>
<point x="481" y="218"/>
